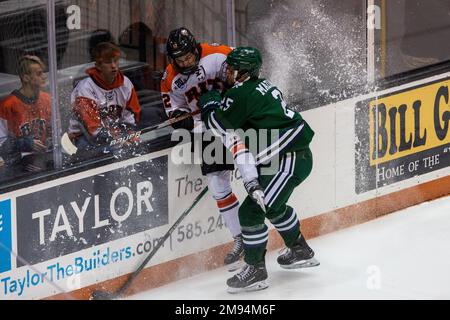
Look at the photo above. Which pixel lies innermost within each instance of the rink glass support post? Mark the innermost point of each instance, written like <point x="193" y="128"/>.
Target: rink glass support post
<point x="376" y="40"/>
<point x="53" y="83"/>
<point x="370" y="40"/>
<point x="231" y="23"/>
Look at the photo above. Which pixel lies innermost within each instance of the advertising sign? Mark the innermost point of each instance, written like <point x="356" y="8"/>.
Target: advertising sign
<point x="402" y="134"/>
<point x="5" y="236"/>
<point x="84" y="213"/>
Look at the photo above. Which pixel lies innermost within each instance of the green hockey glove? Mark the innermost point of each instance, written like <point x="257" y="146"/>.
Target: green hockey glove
<point x="209" y="101"/>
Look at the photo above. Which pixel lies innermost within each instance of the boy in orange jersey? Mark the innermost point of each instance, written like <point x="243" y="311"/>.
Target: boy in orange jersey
<point x="105" y="105"/>
<point x="193" y="70"/>
<point x="27" y="115"/>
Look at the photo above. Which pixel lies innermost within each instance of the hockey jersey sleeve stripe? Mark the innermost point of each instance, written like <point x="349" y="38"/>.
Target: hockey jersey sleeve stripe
<point x="238" y="147"/>
<point x="166" y="83"/>
<point x="215" y="127"/>
<point x="279" y="145"/>
<point x="216" y="124"/>
<point x="229" y="138"/>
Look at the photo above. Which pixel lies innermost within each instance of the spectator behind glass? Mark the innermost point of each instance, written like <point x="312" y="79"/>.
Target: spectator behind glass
<point x="27" y="113"/>
<point x="105" y="105"/>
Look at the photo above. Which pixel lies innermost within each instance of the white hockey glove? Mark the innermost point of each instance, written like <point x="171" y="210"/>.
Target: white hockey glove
<point x="256" y="192"/>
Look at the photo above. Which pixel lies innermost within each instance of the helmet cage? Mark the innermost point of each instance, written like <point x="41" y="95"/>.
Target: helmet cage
<point x="179" y="43"/>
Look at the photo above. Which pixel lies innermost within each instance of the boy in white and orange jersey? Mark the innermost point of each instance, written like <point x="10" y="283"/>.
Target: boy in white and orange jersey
<point x="105" y="105"/>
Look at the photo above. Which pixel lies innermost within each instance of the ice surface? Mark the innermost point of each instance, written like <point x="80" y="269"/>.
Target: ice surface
<point x="404" y="255"/>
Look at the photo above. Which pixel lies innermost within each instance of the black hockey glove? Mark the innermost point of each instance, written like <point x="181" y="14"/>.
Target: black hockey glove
<point x="208" y="102"/>
<point x="187" y="124"/>
<point x="256" y="192"/>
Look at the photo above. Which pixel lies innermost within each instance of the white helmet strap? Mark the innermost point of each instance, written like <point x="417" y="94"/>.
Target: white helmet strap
<point x="241" y="76"/>
<point x="235" y="76"/>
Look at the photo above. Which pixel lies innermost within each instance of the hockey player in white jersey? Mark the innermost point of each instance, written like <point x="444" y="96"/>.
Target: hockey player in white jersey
<point x="193" y="70"/>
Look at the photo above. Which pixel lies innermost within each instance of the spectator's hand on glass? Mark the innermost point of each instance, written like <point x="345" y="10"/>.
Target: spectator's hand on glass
<point x="39" y="147"/>
<point x="2" y="162"/>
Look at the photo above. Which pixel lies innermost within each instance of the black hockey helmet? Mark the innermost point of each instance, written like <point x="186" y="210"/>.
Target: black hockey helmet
<point x="179" y="43"/>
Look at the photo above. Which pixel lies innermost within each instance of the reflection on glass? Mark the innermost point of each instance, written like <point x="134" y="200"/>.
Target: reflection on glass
<point x="140" y="30"/>
<point x="25" y="106"/>
<point x="417" y="34"/>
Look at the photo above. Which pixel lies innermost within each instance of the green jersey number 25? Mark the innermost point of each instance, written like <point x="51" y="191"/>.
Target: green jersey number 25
<point x="278" y="95"/>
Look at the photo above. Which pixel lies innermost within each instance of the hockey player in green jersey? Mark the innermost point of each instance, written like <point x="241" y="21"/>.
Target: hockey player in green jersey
<point x="253" y="103"/>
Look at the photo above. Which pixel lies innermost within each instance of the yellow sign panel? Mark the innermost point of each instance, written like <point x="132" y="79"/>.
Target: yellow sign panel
<point x="409" y="122"/>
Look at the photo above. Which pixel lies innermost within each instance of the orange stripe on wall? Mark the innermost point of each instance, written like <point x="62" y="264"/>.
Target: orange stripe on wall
<point x="311" y="227"/>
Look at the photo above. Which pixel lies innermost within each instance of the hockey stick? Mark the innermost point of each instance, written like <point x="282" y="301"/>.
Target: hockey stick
<point x="102" y="295"/>
<point x="67" y="145"/>
<point x="164" y="124"/>
<point x="71" y="149"/>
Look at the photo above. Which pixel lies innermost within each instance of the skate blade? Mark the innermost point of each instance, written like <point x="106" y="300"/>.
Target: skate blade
<point x="261" y="285"/>
<point x="235" y="265"/>
<point x="313" y="262"/>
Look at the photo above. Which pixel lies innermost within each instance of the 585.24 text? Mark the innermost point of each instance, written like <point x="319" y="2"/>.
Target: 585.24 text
<point x="197" y="229"/>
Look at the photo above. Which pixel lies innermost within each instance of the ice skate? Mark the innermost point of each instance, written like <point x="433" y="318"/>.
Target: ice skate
<point x="233" y="259"/>
<point x="250" y="278"/>
<point x="299" y="256"/>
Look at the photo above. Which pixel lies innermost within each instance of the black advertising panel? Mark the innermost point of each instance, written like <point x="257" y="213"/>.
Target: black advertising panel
<point x="402" y="134"/>
<point x="80" y="214"/>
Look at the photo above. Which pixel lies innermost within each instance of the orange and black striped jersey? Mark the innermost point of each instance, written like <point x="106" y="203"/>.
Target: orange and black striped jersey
<point x="183" y="91"/>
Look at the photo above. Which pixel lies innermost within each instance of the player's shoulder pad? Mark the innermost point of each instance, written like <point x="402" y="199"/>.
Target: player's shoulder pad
<point x="208" y="49"/>
<point x="167" y="78"/>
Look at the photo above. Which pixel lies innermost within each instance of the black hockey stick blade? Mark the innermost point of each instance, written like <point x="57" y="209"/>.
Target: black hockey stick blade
<point x="104" y="295"/>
